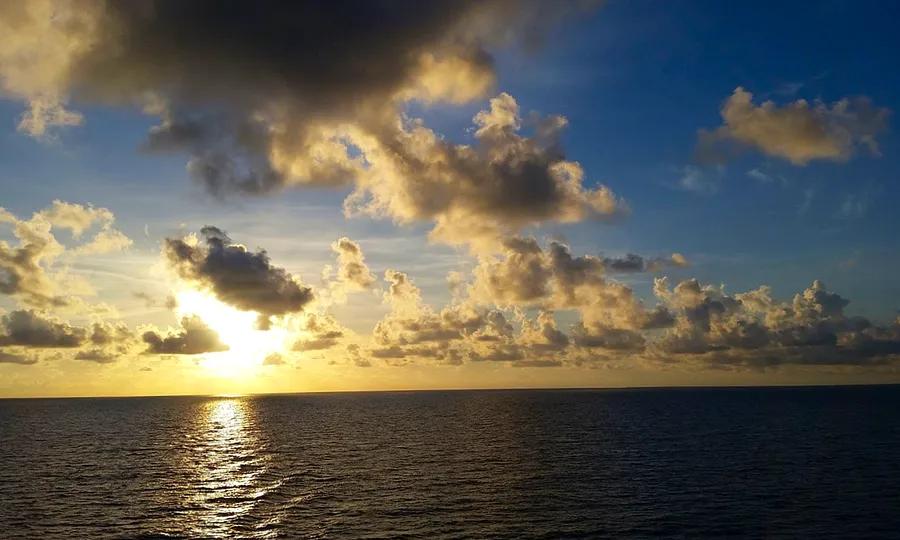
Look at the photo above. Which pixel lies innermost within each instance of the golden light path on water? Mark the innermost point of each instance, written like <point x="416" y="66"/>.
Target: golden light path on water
<point x="247" y="345"/>
<point x="228" y="471"/>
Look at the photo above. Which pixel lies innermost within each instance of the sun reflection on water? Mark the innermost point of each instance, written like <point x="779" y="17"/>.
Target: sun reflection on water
<point x="229" y="469"/>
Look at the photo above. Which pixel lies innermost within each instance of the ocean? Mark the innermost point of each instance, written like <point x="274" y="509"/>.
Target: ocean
<point x="745" y="462"/>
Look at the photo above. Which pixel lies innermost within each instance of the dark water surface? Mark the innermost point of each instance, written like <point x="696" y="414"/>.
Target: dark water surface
<point x="799" y="462"/>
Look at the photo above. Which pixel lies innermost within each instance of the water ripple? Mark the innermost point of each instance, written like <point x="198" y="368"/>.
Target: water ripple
<point x="537" y="464"/>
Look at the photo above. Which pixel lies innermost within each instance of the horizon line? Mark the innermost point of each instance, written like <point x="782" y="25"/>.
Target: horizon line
<point x="497" y="389"/>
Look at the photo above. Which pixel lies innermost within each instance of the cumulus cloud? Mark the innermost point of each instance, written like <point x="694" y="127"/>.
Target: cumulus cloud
<point x="30" y="271"/>
<point x="102" y="342"/>
<point x="352" y="269"/>
<point x="318" y="332"/>
<point x="194" y="337"/>
<point x="412" y="329"/>
<point x="478" y="193"/>
<point x="692" y="323"/>
<point x="259" y="103"/>
<point x="753" y="329"/>
<point x="75" y="217"/>
<point x="526" y="275"/>
<point x="799" y="131"/>
<point x="30" y="328"/>
<point x="353" y="274"/>
<point x="235" y="275"/>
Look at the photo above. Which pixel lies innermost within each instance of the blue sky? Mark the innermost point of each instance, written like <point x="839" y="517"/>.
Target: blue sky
<point x="636" y="81"/>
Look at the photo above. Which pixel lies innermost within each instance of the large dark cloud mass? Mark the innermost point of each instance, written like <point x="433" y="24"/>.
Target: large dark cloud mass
<point x="265" y="95"/>
<point x="237" y="276"/>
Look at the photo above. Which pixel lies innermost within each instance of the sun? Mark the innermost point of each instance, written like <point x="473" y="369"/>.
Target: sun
<point x="247" y="345"/>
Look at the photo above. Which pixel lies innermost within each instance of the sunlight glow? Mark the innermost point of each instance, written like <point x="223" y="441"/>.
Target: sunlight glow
<point x="247" y="345"/>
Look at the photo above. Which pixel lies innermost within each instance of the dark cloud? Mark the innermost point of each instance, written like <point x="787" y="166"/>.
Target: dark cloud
<point x="231" y="79"/>
<point x="270" y="95"/>
<point x="21" y="359"/>
<point x="632" y="263"/>
<point x="194" y="337"/>
<point x="237" y="276"/>
<point x="30" y="328"/>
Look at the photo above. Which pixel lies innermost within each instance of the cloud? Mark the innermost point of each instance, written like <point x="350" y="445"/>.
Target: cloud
<point x="169" y="302"/>
<point x="752" y="329"/>
<point x="44" y="114"/>
<point x="766" y="177"/>
<point x="259" y="103"/>
<point x="27" y="270"/>
<point x="194" y="337"/>
<point x="75" y="217"/>
<point x="798" y="132"/>
<point x="526" y="275"/>
<point x="477" y="194"/>
<point x="108" y="240"/>
<point x="352" y="269"/>
<point x="697" y="180"/>
<point x="691" y="325"/>
<point x="355" y="357"/>
<point x="319" y="332"/>
<point x="103" y="342"/>
<point x="353" y="274"/>
<point x="237" y="276"/>
<point x="98" y="355"/>
<point x="106" y="333"/>
<point x="13" y="358"/>
<point x="30" y="328"/>
<point x="413" y="330"/>
<point x="632" y="263"/>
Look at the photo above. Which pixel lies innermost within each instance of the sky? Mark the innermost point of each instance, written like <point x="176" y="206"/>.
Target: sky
<point x="212" y="198"/>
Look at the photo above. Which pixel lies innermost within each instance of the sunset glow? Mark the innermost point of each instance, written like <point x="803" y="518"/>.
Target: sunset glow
<point x="210" y="198"/>
<point x="247" y="345"/>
